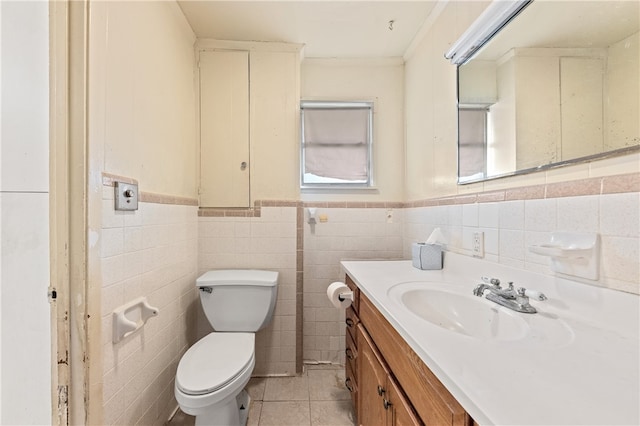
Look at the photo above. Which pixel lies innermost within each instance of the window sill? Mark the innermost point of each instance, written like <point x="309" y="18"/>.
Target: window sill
<point x="337" y="188"/>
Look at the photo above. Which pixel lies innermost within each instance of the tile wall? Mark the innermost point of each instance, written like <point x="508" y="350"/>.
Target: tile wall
<point x="514" y="220"/>
<point x="261" y="238"/>
<point x="511" y="220"/>
<point x="150" y="252"/>
<point x="352" y="231"/>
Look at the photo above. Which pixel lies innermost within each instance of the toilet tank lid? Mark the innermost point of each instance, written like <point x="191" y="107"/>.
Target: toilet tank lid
<point x="253" y="277"/>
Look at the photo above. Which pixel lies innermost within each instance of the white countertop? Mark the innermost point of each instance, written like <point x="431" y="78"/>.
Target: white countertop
<point x="577" y="364"/>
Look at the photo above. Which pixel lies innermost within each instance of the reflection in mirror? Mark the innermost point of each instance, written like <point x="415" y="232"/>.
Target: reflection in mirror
<point x="559" y="84"/>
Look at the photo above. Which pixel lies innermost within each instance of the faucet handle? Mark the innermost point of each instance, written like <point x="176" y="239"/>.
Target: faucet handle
<point x="492" y="281"/>
<point x="532" y="294"/>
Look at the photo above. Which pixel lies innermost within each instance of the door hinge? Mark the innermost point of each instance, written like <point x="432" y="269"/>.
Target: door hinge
<point x="52" y="294"/>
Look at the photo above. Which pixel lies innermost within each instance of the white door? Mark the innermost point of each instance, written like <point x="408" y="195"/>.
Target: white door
<point x="25" y="338"/>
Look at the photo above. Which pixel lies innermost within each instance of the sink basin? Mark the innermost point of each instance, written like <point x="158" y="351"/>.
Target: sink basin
<point x="459" y="313"/>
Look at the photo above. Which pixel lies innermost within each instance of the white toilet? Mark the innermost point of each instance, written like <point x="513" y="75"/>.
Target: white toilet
<point x="212" y="374"/>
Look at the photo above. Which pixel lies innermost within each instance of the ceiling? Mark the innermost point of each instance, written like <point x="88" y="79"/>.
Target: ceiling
<point x="342" y="29"/>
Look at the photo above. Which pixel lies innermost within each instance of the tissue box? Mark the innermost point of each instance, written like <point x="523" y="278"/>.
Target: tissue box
<point x="427" y="256"/>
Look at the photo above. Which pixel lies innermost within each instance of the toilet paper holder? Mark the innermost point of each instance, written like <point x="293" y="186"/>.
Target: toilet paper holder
<point x="130" y="317"/>
<point x="348" y="295"/>
<point x="340" y="295"/>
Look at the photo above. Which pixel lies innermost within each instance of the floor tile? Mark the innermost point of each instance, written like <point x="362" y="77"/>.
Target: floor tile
<point x="327" y="385"/>
<point x="287" y="389"/>
<point x="182" y="419"/>
<point x="317" y="397"/>
<point x="285" y="413"/>
<point x="255" y="387"/>
<point x="332" y="413"/>
<point x="254" y="413"/>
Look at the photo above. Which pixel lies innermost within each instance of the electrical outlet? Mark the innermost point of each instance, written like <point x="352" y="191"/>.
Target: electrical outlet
<point x="478" y="244"/>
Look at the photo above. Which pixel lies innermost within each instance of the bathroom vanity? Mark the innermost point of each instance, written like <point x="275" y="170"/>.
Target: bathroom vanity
<point x="421" y="348"/>
<point x="388" y="382"/>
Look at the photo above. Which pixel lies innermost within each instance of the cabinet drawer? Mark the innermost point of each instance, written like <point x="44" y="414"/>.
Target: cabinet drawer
<point x="351" y="320"/>
<point x="356" y="293"/>
<point x="352" y="385"/>
<point x="431" y="400"/>
<point x="351" y="352"/>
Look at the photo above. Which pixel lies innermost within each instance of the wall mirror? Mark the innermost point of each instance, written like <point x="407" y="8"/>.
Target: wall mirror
<point x="543" y="84"/>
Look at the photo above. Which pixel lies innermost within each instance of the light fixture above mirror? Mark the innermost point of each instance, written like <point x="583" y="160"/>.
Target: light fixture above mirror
<point x="493" y="19"/>
<point x="543" y="84"/>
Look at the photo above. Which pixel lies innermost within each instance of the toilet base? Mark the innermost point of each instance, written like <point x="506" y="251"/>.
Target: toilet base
<point x="233" y="413"/>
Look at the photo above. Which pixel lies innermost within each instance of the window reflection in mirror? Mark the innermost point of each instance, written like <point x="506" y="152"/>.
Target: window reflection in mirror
<point x="559" y="83"/>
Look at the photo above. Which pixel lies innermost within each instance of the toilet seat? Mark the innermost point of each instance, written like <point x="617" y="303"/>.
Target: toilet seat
<point x="215" y="361"/>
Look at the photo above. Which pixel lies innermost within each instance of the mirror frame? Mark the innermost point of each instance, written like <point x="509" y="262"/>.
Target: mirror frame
<point x="495" y="17"/>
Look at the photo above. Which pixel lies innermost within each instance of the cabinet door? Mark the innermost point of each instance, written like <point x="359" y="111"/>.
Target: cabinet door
<point x="372" y="379"/>
<point x="224" y="129"/>
<point x="399" y="410"/>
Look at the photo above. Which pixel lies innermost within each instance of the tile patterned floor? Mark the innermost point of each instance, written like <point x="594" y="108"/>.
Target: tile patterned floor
<point x="318" y="397"/>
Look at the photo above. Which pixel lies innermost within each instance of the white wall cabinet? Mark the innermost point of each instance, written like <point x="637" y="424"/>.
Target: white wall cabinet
<point x="249" y="112"/>
<point x="224" y="129"/>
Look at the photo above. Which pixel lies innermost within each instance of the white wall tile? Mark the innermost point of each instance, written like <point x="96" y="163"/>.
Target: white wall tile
<point x="488" y="215"/>
<point x="536" y="238"/>
<point x="511" y="227"/>
<point x="470" y="215"/>
<point x="491" y="241"/>
<point x="619" y="215"/>
<point x="621" y="258"/>
<point x="540" y="215"/>
<point x="454" y="216"/>
<point x="156" y="258"/>
<point x="112" y="242"/>
<point x="579" y="214"/>
<point x="512" y="215"/>
<point x="511" y="244"/>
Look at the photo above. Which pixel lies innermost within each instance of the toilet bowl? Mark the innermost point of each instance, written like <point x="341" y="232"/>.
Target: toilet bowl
<point x="212" y="374"/>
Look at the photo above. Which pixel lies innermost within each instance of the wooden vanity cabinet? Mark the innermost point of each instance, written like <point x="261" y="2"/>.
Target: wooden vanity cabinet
<point x="386" y="372"/>
<point x="381" y="400"/>
<point x="351" y="348"/>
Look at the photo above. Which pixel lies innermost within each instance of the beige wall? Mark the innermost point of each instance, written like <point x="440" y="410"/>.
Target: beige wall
<point x="430" y="111"/>
<point x="143" y="87"/>
<point x="377" y="80"/>
<point x="142" y="126"/>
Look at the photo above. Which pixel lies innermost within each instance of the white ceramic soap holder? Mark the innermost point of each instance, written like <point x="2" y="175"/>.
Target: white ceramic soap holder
<point x="572" y="253"/>
<point x="130" y="317"/>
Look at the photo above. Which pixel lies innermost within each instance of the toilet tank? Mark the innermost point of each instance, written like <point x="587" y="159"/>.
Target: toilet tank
<point x="238" y="299"/>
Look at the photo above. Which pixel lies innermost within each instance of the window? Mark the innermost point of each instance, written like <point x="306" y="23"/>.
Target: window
<point x="472" y="142"/>
<point x="336" y="144"/>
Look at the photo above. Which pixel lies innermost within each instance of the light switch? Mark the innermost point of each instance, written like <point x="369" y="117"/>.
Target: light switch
<point x="126" y="196"/>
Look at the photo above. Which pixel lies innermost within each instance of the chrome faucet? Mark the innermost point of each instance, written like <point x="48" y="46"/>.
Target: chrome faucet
<point x="516" y="299"/>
